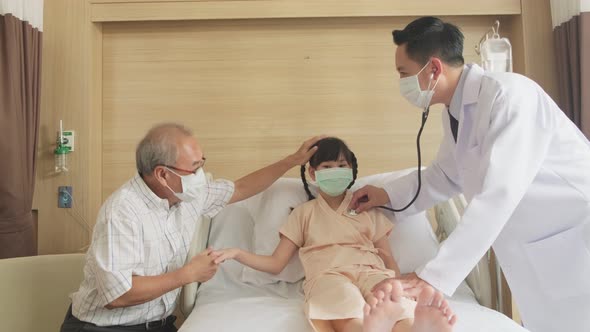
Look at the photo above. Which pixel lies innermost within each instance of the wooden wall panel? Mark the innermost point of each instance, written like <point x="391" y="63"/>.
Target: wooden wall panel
<point x="67" y="55"/>
<point x="254" y="89"/>
<point x="363" y="92"/>
<point x="131" y="10"/>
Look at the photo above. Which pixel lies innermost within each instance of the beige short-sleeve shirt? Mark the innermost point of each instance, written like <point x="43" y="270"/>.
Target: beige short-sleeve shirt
<point x="331" y="239"/>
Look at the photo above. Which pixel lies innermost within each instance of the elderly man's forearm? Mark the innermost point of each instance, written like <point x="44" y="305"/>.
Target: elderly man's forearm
<point x="145" y="289"/>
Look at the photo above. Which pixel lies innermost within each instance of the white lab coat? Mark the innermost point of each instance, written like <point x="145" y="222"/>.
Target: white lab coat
<point x="524" y="169"/>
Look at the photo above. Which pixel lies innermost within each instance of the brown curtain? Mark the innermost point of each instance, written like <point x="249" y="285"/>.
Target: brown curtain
<point x="572" y="42"/>
<point x="20" y="71"/>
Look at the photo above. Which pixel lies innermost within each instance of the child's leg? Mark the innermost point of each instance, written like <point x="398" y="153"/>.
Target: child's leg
<point x="348" y="325"/>
<point x="340" y="325"/>
<point x="403" y="325"/>
<point x="384" y="309"/>
<point x="371" y="277"/>
<point x="334" y="303"/>
<point x="433" y="313"/>
<point x="320" y="325"/>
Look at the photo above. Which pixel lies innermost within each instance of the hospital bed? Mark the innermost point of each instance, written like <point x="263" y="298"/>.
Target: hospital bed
<point x="241" y="299"/>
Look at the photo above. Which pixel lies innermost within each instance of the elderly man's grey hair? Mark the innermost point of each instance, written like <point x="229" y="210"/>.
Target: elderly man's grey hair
<point x="159" y="147"/>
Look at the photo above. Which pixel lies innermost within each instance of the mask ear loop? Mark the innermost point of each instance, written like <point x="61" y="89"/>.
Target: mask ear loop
<point x="430" y="82"/>
<point x="180" y="176"/>
<point x="427" y="108"/>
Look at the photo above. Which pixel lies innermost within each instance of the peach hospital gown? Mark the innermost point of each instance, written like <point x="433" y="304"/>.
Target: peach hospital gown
<point x="340" y="260"/>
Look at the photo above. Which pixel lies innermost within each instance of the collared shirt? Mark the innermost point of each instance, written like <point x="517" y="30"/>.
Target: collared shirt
<point x="457" y="100"/>
<point x="139" y="234"/>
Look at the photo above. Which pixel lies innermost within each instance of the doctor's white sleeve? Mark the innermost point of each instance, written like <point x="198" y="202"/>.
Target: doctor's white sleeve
<point x="437" y="186"/>
<point x="512" y="153"/>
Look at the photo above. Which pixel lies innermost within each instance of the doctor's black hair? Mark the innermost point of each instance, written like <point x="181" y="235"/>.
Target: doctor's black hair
<point x="330" y="149"/>
<point x="430" y="36"/>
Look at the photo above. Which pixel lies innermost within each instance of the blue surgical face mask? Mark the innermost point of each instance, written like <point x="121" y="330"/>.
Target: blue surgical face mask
<point x="333" y="181"/>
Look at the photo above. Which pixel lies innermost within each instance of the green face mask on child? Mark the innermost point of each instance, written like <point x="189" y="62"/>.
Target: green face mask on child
<point x="333" y="181"/>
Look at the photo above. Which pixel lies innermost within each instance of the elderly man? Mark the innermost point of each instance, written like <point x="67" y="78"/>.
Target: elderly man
<point x="135" y="265"/>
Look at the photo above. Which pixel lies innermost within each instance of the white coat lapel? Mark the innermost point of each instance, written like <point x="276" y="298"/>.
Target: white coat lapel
<point x="467" y="114"/>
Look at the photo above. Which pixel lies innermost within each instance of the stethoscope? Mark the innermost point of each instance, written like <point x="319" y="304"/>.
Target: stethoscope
<point x="425" y="113"/>
<point x="424" y="118"/>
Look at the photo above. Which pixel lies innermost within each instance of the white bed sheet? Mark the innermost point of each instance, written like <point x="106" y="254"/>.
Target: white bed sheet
<point x="225" y="303"/>
<point x="241" y="307"/>
<point x="270" y="314"/>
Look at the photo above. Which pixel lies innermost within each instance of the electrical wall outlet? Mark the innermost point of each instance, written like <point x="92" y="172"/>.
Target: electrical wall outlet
<point x="64" y="197"/>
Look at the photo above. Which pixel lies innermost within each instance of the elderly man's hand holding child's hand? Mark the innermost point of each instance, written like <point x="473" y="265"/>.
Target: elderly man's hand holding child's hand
<point x="202" y="267"/>
<point x="220" y="256"/>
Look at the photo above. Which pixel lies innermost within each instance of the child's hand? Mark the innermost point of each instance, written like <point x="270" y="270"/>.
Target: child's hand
<point x="220" y="256"/>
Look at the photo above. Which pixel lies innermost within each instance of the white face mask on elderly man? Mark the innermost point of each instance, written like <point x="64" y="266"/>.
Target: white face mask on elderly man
<point x="194" y="186"/>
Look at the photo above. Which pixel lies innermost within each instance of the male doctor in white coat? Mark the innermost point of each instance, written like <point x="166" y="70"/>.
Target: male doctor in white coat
<point x="523" y="167"/>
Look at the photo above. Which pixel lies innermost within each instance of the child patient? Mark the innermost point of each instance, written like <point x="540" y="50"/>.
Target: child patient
<point x="344" y="256"/>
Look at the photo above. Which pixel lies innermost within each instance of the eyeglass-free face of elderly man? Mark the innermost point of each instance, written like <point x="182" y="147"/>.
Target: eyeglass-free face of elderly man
<point x="135" y="266"/>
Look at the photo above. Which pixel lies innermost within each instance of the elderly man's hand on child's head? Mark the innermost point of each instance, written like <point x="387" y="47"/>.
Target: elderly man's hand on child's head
<point x="305" y="152"/>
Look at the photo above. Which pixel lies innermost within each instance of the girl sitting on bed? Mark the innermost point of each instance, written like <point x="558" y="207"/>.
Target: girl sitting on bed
<point x="344" y="255"/>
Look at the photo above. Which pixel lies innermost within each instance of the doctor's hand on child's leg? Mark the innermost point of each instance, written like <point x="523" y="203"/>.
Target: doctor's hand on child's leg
<point x="412" y="285"/>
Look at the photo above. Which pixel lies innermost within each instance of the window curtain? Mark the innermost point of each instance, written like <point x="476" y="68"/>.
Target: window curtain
<point x="20" y="71"/>
<point x="571" y="29"/>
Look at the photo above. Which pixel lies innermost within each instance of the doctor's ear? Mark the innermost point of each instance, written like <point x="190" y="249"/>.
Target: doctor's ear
<point x="436" y="68"/>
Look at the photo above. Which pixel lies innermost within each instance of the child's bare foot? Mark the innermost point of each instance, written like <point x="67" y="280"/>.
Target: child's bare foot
<point x="383" y="310"/>
<point x="433" y="313"/>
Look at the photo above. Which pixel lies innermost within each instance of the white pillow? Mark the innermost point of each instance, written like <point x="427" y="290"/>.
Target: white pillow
<point x="412" y="241"/>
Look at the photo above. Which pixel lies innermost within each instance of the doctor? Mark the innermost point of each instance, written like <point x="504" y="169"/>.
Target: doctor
<point x="523" y="167"/>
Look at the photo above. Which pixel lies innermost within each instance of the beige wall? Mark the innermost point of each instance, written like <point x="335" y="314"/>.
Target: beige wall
<point x="254" y="89"/>
<point x="251" y="88"/>
<point x="65" y="95"/>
